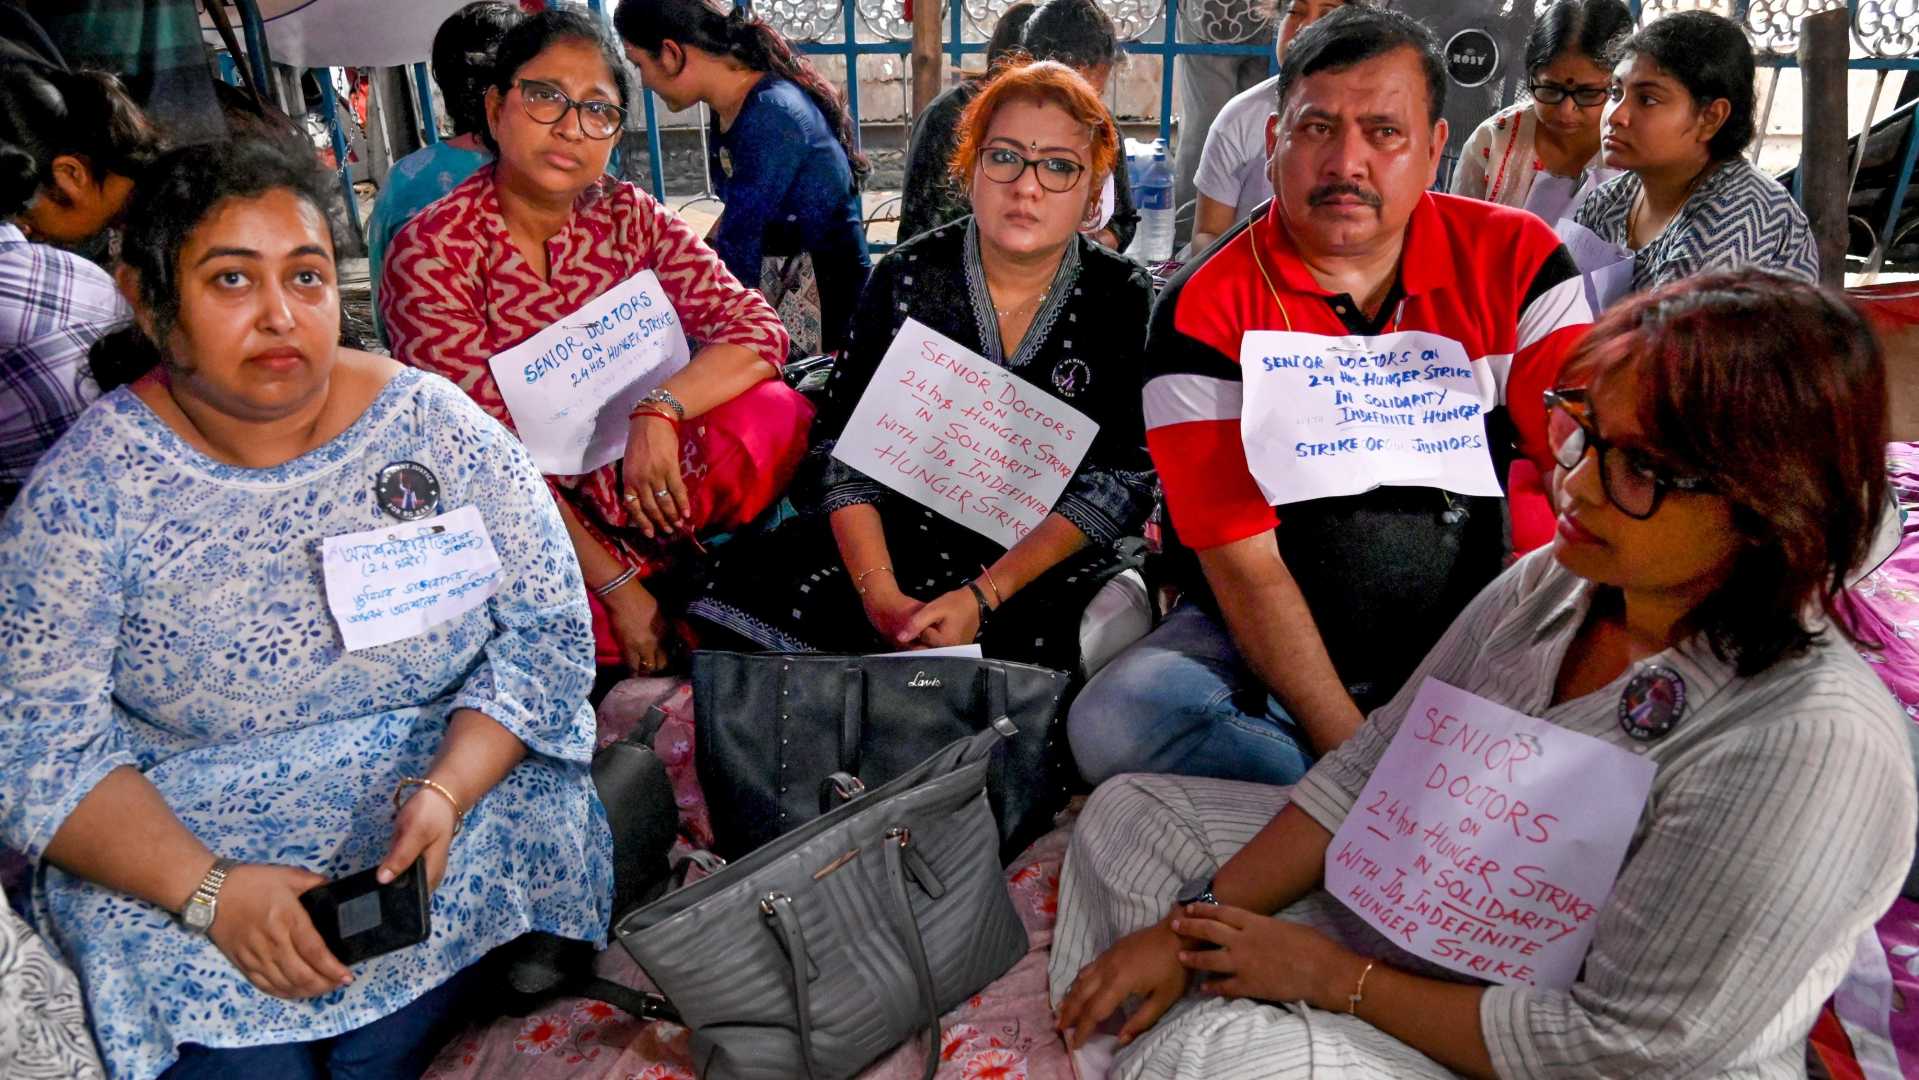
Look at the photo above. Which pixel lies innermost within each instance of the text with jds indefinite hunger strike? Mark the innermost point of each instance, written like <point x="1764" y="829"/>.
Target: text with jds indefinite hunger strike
<point x="1488" y="840"/>
<point x="964" y="436"/>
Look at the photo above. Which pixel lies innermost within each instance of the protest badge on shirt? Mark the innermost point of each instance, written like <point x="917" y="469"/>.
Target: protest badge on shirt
<point x="1324" y="416"/>
<point x="391" y="583"/>
<point x="964" y="437"/>
<point x="571" y="386"/>
<point x="1487" y="841"/>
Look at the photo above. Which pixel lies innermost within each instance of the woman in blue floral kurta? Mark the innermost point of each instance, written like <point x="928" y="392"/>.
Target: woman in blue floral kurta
<point x="164" y="611"/>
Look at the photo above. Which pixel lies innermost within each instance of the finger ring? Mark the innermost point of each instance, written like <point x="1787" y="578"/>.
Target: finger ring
<point x="661" y="494"/>
<point x="630" y="497"/>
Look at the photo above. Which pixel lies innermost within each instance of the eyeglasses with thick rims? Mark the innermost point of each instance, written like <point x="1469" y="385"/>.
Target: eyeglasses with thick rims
<point x="1633" y="483"/>
<point x="548" y="104"/>
<point x="1004" y="166"/>
<point x="1583" y="96"/>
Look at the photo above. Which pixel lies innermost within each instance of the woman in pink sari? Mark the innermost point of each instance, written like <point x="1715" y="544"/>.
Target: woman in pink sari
<point x="540" y="234"/>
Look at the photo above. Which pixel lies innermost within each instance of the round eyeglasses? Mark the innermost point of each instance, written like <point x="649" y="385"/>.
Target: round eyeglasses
<point x="1633" y="483"/>
<point x="1583" y="96"/>
<point x="548" y="104"/>
<point x="1004" y="166"/>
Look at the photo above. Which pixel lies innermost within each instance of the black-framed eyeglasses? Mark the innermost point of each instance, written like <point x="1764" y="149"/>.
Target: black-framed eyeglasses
<point x="1633" y="482"/>
<point x="1004" y="166"/>
<point x="1583" y="96"/>
<point x="548" y="104"/>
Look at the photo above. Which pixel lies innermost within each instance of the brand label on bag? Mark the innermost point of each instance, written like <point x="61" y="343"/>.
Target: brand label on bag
<point x="571" y="386"/>
<point x="1486" y="840"/>
<point x="964" y="437"/>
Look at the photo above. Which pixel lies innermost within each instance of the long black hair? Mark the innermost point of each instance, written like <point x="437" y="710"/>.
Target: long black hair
<point x="1588" y="27"/>
<point x="1712" y="58"/>
<point x="721" y="28"/>
<point x="535" y="34"/>
<point x="47" y="113"/>
<point x="465" y="48"/>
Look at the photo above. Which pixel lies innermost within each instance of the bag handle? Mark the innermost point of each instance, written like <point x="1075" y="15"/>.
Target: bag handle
<point x="853" y="683"/>
<point x="896" y="870"/>
<point x="777" y="909"/>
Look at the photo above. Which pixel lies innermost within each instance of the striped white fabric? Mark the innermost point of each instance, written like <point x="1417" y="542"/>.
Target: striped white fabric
<point x="1779" y="828"/>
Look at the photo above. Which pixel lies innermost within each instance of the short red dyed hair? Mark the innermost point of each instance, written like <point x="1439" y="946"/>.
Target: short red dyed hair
<point x="1775" y="390"/>
<point x="1048" y="82"/>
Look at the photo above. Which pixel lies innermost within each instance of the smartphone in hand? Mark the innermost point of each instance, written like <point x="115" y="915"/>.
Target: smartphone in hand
<point x="359" y="918"/>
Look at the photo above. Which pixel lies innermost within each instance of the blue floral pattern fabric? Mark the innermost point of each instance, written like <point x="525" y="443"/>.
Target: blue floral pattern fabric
<point x="165" y="611"/>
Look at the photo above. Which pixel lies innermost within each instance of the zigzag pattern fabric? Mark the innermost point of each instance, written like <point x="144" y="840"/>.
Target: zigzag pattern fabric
<point x="1737" y="217"/>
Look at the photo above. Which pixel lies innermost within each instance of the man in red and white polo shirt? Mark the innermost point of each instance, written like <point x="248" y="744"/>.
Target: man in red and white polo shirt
<point x="1305" y="615"/>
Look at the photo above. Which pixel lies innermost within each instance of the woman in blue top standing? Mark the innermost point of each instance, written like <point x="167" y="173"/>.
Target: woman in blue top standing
<point x="781" y="152"/>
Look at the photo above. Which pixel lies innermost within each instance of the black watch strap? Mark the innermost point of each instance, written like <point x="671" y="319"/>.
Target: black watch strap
<point x="979" y="594"/>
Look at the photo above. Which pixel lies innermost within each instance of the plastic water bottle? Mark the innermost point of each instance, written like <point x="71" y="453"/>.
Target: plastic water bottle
<point x="1152" y="179"/>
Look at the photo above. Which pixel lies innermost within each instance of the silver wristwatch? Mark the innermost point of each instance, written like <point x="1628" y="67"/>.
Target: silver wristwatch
<point x="197" y="916"/>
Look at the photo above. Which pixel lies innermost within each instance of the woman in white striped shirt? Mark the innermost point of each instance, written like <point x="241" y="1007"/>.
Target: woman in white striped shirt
<point x="1720" y="452"/>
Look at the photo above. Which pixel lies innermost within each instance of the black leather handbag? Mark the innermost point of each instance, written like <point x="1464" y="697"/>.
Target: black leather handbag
<point x="781" y="738"/>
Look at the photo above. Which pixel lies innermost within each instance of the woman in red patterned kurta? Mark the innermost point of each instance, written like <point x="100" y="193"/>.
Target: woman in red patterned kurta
<point x="542" y="232"/>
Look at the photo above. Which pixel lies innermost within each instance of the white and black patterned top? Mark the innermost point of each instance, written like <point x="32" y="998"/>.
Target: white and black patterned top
<point x="1736" y="217"/>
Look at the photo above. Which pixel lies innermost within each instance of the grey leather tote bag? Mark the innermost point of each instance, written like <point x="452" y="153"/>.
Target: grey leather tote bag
<point x="825" y="949"/>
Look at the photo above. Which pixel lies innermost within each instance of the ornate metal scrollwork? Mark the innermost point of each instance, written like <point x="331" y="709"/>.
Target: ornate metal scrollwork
<point x="1131" y="18"/>
<point x="1652" y="9"/>
<point x="887" y="18"/>
<point x="1888" y="29"/>
<point x="800" y="20"/>
<point x="1224" y="22"/>
<point x="1774" y="24"/>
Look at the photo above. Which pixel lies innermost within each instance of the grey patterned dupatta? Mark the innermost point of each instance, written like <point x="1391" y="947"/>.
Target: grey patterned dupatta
<point x="1056" y="296"/>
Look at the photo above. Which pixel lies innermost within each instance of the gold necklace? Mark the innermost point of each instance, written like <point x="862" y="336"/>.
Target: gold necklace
<point x="1007" y="313"/>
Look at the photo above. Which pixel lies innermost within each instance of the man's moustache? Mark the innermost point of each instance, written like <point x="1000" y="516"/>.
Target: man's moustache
<point x="1329" y="192"/>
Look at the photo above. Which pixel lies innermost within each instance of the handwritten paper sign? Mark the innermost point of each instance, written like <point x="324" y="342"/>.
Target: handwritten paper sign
<point x="387" y="584"/>
<point x="1487" y="841"/>
<point x="571" y="386"/>
<point x="1325" y="416"/>
<point x="964" y="437"/>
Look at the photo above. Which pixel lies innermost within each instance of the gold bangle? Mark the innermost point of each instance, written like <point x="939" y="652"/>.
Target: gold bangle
<point x="1359" y="992"/>
<point x="860" y="581"/>
<point x="997" y="598"/>
<point x="459" y="812"/>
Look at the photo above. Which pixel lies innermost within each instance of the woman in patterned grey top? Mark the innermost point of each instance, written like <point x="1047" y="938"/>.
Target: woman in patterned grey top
<point x="1680" y="118"/>
<point x="1699" y="533"/>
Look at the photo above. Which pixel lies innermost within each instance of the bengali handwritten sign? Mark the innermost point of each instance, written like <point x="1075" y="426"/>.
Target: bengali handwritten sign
<point x="384" y="585"/>
<point x="964" y="437"/>
<point x="1325" y="416"/>
<point x="1487" y="841"/>
<point x="571" y="386"/>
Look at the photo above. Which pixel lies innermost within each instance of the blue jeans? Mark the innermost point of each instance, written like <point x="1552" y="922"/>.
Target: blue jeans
<point x="1181" y="701"/>
<point x="400" y="1044"/>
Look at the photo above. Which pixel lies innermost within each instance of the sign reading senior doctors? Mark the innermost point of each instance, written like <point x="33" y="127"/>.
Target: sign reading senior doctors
<point x="1487" y="840"/>
<point x="961" y="435"/>
<point x="391" y="583"/>
<point x="1325" y="416"/>
<point x="571" y="386"/>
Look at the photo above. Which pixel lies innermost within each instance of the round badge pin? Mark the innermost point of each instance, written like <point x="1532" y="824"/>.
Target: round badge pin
<point x="1652" y="703"/>
<point x="1071" y="375"/>
<point x="408" y="491"/>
